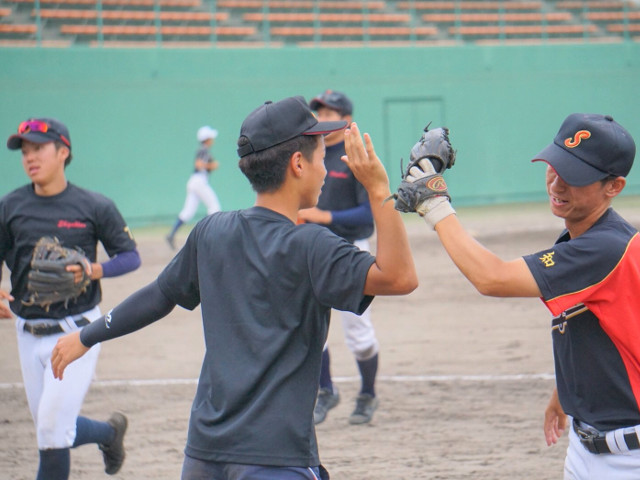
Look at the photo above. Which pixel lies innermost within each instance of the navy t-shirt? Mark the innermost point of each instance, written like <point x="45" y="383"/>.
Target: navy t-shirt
<point x="78" y="218"/>
<point x="266" y="288"/>
<point x="591" y="284"/>
<point x="342" y="191"/>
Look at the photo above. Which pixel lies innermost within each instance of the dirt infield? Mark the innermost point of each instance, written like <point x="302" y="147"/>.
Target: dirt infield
<point x="463" y="379"/>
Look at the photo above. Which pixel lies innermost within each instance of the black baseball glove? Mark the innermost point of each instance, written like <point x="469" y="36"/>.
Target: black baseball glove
<point x="434" y="145"/>
<point x="422" y="179"/>
<point x="423" y="189"/>
<point x="48" y="280"/>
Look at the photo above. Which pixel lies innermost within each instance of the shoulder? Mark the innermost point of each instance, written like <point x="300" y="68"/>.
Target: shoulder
<point x="18" y="193"/>
<point x="609" y="235"/>
<point x="91" y="196"/>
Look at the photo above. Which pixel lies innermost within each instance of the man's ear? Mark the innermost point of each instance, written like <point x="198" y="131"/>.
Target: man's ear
<point x="296" y="163"/>
<point x="616" y="186"/>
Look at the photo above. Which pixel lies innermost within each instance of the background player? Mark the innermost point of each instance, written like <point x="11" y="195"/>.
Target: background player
<point x="344" y="208"/>
<point x="52" y="206"/>
<point x="589" y="281"/>
<point x="198" y="187"/>
<point x="266" y="289"/>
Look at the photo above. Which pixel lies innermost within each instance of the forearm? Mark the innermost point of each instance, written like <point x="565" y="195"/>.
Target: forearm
<point x="396" y="273"/>
<point x="137" y="311"/>
<point x="360" y="215"/>
<point x="486" y="271"/>
<point x="121" y="263"/>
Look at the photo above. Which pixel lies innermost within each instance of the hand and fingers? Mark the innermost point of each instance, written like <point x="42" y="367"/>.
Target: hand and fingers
<point x="5" y="311"/>
<point x="68" y="349"/>
<point x="314" y="215"/>
<point x="78" y="269"/>
<point x="554" y="427"/>
<point x="363" y="160"/>
<point x="555" y="420"/>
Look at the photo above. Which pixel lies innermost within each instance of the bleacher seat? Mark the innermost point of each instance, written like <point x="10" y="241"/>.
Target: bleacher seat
<point x="316" y="22"/>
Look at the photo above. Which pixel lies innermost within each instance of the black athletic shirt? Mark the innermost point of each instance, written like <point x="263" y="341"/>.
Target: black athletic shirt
<point x="266" y="288"/>
<point x="341" y="191"/>
<point x="592" y="285"/>
<point x="78" y="218"/>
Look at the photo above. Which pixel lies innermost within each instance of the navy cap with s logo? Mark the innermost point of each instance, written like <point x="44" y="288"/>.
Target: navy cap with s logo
<point x="588" y="148"/>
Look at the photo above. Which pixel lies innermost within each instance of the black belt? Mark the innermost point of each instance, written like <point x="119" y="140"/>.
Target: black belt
<point x="44" y="329"/>
<point x="597" y="442"/>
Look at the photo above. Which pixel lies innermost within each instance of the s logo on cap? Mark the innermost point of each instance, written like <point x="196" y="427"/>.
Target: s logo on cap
<point x="577" y="138"/>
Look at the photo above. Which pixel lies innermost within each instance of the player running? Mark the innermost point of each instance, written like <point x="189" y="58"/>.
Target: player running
<point x="589" y="280"/>
<point x="266" y="288"/>
<point x="198" y="187"/>
<point x="52" y="206"/>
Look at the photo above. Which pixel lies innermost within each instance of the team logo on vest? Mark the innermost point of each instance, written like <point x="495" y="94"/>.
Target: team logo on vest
<point x="547" y="259"/>
<point x="437" y="184"/>
<point x="336" y="174"/>
<point x="68" y="224"/>
<point x="577" y="138"/>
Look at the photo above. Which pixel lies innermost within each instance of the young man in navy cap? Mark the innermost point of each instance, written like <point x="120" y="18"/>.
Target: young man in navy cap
<point x="266" y="288"/>
<point x="589" y="280"/>
<point x="344" y="209"/>
<point x="52" y="206"/>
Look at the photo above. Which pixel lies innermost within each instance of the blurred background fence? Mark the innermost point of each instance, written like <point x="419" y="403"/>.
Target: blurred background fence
<point x="134" y="79"/>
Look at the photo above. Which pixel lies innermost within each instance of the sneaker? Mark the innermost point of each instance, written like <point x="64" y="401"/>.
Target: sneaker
<point x="171" y="242"/>
<point x="113" y="453"/>
<point x="326" y="400"/>
<point x="366" y="404"/>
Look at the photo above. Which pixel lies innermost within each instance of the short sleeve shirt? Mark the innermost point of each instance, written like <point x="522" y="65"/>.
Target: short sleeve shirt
<point x="591" y="285"/>
<point x="79" y="218"/>
<point x="266" y="288"/>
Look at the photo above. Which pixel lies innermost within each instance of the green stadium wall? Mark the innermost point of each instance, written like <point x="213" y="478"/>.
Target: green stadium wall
<point x="133" y="113"/>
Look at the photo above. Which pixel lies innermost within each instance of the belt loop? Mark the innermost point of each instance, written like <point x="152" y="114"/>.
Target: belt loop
<point x="615" y="441"/>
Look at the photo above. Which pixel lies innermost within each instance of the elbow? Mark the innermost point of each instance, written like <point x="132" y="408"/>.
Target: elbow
<point x="407" y="284"/>
<point x="137" y="261"/>
<point x="489" y="287"/>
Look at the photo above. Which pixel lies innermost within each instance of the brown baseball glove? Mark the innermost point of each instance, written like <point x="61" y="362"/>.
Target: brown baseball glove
<point x="48" y="280"/>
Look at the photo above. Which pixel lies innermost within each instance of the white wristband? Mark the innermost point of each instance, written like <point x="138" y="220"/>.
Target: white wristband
<point x="435" y="209"/>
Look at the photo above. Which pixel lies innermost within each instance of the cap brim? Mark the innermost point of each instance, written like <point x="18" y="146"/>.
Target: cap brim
<point x="15" y="141"/>
<point x="322" y="128"/>
<point x="570" y="168"/>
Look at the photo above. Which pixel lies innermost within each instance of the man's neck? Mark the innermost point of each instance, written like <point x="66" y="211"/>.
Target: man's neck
<point x="579" y="227"/>
<point x="50" y="189"/>
<point x="279" y="202"/>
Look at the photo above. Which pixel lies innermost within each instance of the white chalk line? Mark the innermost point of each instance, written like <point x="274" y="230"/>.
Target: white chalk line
<point x="380" y="378"/>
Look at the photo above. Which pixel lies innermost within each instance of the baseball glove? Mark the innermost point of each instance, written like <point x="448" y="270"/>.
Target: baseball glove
<point x="434" y="145"/>
<point x="411" y="196"/>
<point x="422" y="179"/>
<point x="48" y="280"/>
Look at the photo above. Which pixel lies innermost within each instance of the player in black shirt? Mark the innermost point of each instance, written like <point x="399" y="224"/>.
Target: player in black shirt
<point x="51" y="206"/>
<point x="266" y="287"/>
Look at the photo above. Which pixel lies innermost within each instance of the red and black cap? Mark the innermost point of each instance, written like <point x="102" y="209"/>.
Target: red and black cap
<point x="39" y="130"/>
<point x="274" y="123"/>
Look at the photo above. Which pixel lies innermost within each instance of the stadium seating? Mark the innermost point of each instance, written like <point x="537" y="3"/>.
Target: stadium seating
<point x="208" y="23"/>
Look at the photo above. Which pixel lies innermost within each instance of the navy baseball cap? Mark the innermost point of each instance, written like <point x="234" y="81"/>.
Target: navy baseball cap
<point x="588" y="148"/>
<point x="274" y="123"/>
<point x="337" y="101"/>
<point x="40" y="130"/>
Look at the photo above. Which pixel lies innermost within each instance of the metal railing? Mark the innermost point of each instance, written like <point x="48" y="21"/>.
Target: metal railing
<point x="277" y="23"/>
